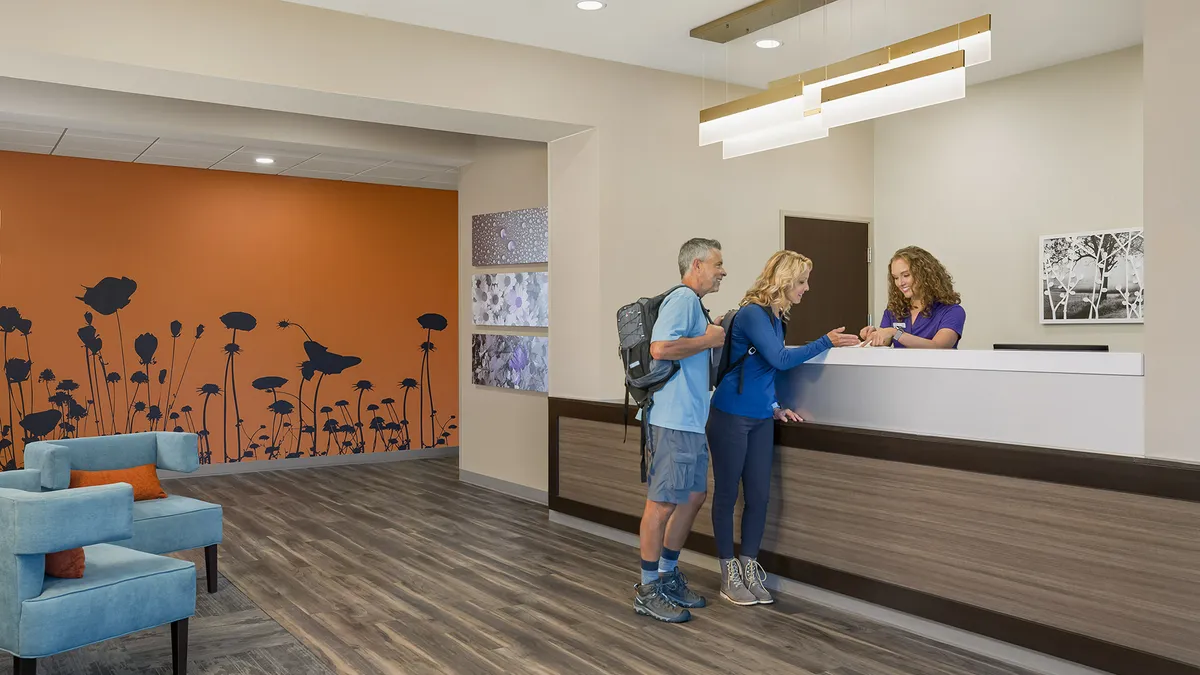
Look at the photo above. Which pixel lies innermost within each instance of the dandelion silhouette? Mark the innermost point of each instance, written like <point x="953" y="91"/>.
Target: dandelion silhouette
<point x="109" y="297"/>
<point x="244" y="322"/>
<point x="330" y="428"/>
<point x="362" y="387"/>
<point x="431" y="323"/>
<point x="208" y="391"/>
<point x="408" y="384"/>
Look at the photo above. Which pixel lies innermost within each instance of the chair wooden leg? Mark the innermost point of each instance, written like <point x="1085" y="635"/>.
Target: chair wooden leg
<point x="179" y="645"/>
<point x="210" y="567"/>
<point x="24" y="666"/>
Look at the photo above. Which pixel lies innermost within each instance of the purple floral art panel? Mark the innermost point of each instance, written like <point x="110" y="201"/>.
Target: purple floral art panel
<point x="511" y="362"/>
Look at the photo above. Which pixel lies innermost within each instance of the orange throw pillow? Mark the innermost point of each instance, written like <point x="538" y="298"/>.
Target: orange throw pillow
<point x="144" y="480"/>
<point x="65" y="564"/>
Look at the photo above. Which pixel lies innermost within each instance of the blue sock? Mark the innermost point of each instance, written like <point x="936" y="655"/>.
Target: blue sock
<point x="669" y="561"/>
<point x="649" y="571"/>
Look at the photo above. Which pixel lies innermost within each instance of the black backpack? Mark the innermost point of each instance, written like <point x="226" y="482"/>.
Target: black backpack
<point x="643" y="374"/>
<point x="724" y="367"/>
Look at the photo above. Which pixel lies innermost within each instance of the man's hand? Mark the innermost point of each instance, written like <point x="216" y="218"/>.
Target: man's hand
<point x="715" y="335"/>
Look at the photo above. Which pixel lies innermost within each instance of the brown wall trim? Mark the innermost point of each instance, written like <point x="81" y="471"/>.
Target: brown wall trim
<point x="1135" y="475"/>
<point x="1031" y="635"/>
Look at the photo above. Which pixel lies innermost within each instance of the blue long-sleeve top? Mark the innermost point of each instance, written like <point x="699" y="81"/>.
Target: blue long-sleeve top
<point x="757" y="326"/>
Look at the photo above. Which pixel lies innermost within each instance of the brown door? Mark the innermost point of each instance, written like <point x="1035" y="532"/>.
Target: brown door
<point x="839" y="294"/>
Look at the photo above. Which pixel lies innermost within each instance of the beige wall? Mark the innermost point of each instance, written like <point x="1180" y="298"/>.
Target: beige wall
<point x="977" y="181"/>
<point x="503" y="432"/>
<point x="1172" y="180"/>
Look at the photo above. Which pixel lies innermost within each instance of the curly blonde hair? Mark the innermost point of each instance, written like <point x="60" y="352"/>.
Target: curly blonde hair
<point x="779" y="274"/>
<point x="932" y="283"/>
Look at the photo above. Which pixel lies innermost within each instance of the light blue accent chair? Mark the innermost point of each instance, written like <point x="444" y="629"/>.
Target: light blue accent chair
<point x="159" y="525"/>
<point x="122" y="591"/>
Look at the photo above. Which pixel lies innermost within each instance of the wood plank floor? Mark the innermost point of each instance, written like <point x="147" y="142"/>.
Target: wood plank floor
<point x="400" y="568"/>
<point x="229" y="635"/>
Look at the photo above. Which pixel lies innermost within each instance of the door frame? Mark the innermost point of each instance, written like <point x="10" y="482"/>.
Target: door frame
<point x="869" y="221"/>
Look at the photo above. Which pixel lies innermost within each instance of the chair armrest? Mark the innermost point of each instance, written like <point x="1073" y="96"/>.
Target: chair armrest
<point x="54" y="461"/>
<point x="178" y="451"/>
<point x="46" y="522"/>
<point x="29" y="480"/>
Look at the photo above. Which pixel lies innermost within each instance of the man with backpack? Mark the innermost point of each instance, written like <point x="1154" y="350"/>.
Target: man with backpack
<point x="676" y="415"/>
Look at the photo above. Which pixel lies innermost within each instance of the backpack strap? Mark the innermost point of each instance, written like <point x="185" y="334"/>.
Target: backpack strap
<point x="750" y="351"/>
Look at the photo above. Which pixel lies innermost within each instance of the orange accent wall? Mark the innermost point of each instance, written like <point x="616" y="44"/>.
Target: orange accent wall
<point x="352" y="264"/>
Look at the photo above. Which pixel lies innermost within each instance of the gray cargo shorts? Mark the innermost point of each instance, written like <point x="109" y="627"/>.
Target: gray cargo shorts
<point x="678" y="465"/>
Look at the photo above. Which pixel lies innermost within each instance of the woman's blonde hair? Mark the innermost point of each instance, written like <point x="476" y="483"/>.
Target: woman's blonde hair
<point x="932" y="283"/>
<point x="778" y="276"/>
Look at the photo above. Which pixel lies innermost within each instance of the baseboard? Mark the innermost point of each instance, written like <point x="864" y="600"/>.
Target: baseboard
<point x="977" y="644"/>
<point x="505" y="487"/>
<point x="312" y="462"/>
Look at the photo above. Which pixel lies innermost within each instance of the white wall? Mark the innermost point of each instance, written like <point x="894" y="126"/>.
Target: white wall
<point x="1172" y="181"/>
<point x="977" y="181"/>
<point x="503" y="432"/>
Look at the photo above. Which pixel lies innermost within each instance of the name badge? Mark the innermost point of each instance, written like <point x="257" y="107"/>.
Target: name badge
<point x="898" y="324"/>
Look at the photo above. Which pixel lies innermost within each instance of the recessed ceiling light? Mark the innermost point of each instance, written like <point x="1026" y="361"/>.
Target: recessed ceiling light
<point x="264" y="160"/>
<point x="768" y="44"/>
<point x="590" y="5"/>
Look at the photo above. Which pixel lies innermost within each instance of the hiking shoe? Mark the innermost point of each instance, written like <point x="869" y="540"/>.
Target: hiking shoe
<point x="754" y="576"/>
<point x="733" y="585"/>
<point x="650" y="601"/>
<point x="675" y="587"/>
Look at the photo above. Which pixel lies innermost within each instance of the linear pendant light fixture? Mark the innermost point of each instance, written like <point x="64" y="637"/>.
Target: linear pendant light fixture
<point x="921" y="71"/>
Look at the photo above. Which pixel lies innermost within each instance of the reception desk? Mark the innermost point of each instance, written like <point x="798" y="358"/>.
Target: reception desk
<point x="1005" y="493"/>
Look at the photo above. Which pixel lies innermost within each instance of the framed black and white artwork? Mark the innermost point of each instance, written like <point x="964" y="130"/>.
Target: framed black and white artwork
<point x="1093" y="277"/>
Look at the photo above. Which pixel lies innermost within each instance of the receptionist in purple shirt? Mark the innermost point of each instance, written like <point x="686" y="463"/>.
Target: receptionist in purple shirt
<point x="924" y="311"/>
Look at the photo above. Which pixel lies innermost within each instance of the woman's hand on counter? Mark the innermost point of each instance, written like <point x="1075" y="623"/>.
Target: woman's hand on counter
<point x="865" y="334"/>
<point x="839" y="338"/>
<point x="883" y="337"/>
<point x="786" y="415"/>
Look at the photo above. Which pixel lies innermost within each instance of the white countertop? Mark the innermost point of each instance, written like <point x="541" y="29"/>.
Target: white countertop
<point x="1075" y="363"/>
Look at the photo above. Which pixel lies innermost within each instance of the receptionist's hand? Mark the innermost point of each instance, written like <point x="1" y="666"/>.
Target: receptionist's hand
<point x="883" y="337"/>
<point x="866" y="333"/>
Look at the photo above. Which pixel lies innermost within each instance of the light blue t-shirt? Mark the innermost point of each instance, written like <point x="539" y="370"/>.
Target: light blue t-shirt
<point x="682" y="404"/>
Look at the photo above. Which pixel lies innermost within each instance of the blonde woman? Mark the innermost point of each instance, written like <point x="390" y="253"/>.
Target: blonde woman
<point x="741" y="424"/>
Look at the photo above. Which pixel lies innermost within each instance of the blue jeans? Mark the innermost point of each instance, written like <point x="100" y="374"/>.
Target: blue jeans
<point x="742" y="450"/>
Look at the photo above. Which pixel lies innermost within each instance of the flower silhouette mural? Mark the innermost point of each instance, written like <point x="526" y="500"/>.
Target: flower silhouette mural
<point x="56" y="397"/>
<point x="431" y="323"/>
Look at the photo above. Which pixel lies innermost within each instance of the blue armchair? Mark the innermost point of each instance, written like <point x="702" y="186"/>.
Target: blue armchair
<point x="122" y="591"/>
<point x="159" y="525"/>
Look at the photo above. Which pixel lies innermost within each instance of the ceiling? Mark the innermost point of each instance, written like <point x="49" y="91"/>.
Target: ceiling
<point x="20" y="136"/>
<point x="1027" y="34"/>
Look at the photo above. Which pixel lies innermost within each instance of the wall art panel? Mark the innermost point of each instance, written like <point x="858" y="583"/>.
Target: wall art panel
<point x="514" y="299"/>
<point x="511" y="238"/>
<point x="1093" y="277"/>
<point x="511" y="361"/>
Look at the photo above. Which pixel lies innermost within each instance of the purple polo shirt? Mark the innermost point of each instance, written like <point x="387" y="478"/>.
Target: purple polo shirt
<point x="942" y="316"/>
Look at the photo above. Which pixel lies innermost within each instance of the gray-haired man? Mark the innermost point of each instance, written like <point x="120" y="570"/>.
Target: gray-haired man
<point x="678" y="474"/>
